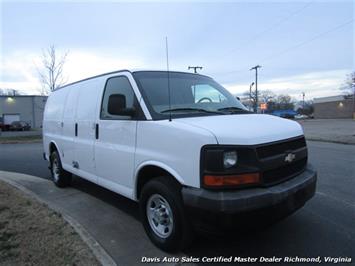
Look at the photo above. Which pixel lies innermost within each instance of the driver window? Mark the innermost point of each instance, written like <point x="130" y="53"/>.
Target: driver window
<point x="204" y="93"/>
<point x="117" y="85"/>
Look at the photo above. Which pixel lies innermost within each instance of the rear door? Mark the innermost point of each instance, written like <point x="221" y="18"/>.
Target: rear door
<point x="69" y="128"/>
<point x="116" y="138"/>
<point x="86" y="114"/>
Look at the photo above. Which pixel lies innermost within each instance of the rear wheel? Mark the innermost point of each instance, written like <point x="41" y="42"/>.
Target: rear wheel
<point x="163" y="215"/>
<point x="61" y="178"/>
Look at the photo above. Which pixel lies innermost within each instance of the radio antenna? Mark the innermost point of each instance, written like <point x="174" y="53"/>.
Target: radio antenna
<point x="167" y="67"/>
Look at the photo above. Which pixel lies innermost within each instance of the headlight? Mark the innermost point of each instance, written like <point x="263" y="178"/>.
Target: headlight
<point x="230" y="159"/>
<point x="229" y="166"/>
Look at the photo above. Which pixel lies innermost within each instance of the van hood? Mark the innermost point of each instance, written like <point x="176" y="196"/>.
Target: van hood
<point x="246" y="129"/>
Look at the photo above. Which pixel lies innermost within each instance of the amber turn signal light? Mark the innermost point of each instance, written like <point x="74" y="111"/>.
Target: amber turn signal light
<point x="231" y="180"/>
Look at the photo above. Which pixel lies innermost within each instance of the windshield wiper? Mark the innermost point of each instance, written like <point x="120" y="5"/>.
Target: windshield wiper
<point x="191" y="109"/>
<point x="234" y="109"/>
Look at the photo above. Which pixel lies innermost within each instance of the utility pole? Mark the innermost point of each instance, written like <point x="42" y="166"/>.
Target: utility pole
<point x="195" y="68"/>
<point x="256" y="86"/>
<point x="303" y="94"/>
<point x="251" y="85"/>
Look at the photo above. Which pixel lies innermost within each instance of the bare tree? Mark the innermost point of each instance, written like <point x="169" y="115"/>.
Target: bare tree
<point x="349" y="86"/>
<point x="251" y="97"/>
<point x="285" y="101"/>
<point x="51" y="72"/>
<point x="267" y="95"/>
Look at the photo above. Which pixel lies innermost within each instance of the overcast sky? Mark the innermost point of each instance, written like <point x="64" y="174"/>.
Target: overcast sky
<point x="302" y="45"/>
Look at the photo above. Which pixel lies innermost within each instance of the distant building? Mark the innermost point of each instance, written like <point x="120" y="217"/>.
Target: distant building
<point x="339" y="106"/>
<point x="28" y="108"/>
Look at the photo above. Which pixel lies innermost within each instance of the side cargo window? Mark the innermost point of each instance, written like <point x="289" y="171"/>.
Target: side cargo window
<point x="118" y="96"/>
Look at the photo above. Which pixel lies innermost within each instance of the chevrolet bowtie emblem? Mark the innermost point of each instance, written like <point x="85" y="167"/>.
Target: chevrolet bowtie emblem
<point x="290" y="157"/>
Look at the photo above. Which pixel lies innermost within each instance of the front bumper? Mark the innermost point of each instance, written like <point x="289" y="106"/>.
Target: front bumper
<point x="210" y="210"/>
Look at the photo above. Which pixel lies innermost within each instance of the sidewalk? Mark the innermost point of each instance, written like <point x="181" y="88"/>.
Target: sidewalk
<point x="330" y="130"/>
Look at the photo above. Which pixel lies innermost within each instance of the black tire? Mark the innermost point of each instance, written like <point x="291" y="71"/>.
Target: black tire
<point x="181" y="234"/>
<point x="60" y="177"/>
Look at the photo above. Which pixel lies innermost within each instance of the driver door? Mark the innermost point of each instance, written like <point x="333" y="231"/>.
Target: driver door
<point x="116" y="138"/>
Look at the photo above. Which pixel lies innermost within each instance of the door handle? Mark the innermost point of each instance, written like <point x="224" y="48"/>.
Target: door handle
<point x="97" y="131"/>
<point x="76" y="129"/>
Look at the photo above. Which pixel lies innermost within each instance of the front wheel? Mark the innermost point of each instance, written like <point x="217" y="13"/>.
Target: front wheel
<point x="61" y="178"/>
<point x="163" y="215"/>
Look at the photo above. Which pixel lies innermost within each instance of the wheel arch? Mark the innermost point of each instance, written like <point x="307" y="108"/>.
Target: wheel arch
<point x="53" y="147"/>
<point x="151" y="169"/>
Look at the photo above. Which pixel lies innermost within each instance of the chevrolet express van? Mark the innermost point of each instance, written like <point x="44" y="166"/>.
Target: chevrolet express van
<point x="182" y="146"/>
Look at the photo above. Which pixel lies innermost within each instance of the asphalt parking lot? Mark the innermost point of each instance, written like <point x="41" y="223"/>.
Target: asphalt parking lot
<point x="331" y="130"/>
<point x="324" y="227"/>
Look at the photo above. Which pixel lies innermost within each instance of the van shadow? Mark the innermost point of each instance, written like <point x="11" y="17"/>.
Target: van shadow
<point x="124" y="204"/>
<point x="285" y="238"/>
<point x="272" y="240"/>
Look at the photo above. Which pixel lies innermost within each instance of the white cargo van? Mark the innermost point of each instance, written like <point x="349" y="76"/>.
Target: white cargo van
<point x="182" y="146"/>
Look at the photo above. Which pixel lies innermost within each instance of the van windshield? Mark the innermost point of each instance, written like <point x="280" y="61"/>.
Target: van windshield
<point x="190" y="95"/>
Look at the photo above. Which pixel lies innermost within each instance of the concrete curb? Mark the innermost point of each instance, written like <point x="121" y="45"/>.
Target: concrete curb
<point x="329" y="141"/>
<point x="19" y="141"/>
<point x="99" y="252"/>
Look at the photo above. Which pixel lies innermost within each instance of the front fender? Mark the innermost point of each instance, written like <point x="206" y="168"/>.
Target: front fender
<point x="161" y="165"/>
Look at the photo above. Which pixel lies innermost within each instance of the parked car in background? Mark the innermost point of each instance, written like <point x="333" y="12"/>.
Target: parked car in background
<point x="3" y="127"/>
<point x="299" y="116"/>
<point x="284" y="113"/>
<point x="20" y="126"/>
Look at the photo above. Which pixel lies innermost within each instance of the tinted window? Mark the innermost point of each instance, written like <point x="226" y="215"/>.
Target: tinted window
<point x="190" y="95"/>
<point x="117" y="85"/>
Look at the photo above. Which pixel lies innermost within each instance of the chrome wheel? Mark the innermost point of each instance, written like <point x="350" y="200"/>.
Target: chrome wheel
<point x="55" y="169"/>
<point x="159" y="215"/>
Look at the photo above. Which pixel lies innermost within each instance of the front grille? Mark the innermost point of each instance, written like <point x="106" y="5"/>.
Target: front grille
<point x="279" y="148"/>
<point x="273" y="155"/>
<point x="283" y="173"/>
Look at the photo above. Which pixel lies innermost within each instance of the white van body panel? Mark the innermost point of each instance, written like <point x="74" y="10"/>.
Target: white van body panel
<point x="86" y="116"/>
<point x="52" y="120"/>
<point x="246" y="129"/>
<point x="161" y="165"/>
<point x="98" y="160"/>
<point x="68" y="134"/>
<point x="173" y="145"/>
<point x="114" y="153"/>
<point x="115" y="148"/>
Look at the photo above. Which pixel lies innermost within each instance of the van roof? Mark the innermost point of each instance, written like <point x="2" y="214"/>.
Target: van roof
<point x="100" y="75"/>
<point x="125" y="70"/>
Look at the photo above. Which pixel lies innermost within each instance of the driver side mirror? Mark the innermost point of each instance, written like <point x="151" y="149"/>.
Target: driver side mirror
<point x="117" y="105"/>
